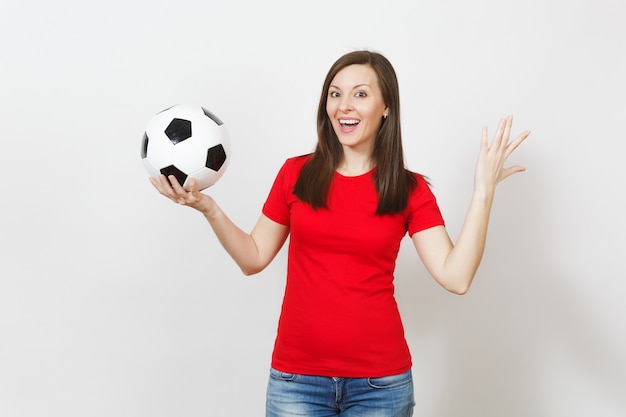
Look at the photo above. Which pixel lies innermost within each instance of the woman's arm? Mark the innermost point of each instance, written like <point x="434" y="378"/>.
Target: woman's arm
<point x="251" y="251"/>
<point x="454" y="265"/>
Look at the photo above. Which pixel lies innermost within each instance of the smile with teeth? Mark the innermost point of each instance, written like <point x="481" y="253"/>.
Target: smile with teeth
<point x="349" y="122"/>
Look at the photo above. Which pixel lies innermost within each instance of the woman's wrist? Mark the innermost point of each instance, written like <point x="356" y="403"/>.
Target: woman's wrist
<point x="209" y="208"/>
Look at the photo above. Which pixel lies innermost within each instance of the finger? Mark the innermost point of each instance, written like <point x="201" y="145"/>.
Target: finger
<point x="162" y="184"/>
<point x="497" y="138"/>
<point x="178" y="189"/>
<point x="186" y="196"/>
<point x="507" y="172"/>
<point x="516" y="142"/>
<point x="194" y="194"/>
<point x="484" y="140"/>
<point x="155" y="183"/>
<point x="167" y="186"/>
<point x="193" y="185"/>
<point x="507" y="129"/>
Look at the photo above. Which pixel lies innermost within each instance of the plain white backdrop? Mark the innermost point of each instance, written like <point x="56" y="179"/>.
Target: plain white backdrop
<point x="116" y="302"/>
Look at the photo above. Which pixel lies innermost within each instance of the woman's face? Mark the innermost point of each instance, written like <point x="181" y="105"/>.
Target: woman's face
<point x="355" y="107"/>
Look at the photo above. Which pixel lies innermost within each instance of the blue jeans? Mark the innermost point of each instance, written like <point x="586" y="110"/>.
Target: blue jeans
<point x="290" y="395"/>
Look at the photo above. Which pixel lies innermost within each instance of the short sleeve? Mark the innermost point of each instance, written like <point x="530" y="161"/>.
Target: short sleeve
<point x="277" y="204"/>
<point x="423" y="211"/>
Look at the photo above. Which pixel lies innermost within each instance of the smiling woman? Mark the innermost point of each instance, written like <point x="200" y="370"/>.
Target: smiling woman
<point x="340" y="348"/>
<point x="356" y="108"/>
<point x="365" y="77"/>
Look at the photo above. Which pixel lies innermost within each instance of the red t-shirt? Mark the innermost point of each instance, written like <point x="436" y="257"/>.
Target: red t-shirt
<point x="339" y="316"/>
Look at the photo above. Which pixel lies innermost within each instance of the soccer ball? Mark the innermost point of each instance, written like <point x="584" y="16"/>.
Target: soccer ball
<point x="186" y="141"/>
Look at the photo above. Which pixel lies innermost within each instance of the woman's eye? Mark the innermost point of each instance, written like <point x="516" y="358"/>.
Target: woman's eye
<point x="334" y="94"/>
<point x="361" y="94"/>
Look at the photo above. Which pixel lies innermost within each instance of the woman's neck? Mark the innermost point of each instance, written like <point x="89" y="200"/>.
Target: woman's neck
<point x="354" y="164"/>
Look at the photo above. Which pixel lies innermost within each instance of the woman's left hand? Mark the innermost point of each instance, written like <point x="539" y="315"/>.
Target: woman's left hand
<point x="490" y="168"/>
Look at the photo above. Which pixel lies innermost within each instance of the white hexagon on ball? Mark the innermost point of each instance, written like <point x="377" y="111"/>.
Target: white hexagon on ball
<point x="186" y="141"/>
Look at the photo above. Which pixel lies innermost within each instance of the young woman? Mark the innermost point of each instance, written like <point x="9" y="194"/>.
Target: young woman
<point x="340" y="348"/>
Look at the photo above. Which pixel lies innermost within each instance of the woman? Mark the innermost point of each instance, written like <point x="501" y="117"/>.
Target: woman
<point x="340" y="348"/>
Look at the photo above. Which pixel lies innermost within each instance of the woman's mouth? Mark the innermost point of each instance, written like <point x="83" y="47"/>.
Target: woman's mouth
<point x="348" y="124"/>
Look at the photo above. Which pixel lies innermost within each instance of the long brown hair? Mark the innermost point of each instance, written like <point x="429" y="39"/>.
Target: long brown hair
<point x="393" y="181"/>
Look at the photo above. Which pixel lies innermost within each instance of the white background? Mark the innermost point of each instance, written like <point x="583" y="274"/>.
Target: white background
<point x="116" y="302"/>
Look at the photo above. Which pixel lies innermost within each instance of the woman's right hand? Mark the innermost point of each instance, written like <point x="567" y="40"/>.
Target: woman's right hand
<point x="251" y="251"/>
<point x="171" y="188"/>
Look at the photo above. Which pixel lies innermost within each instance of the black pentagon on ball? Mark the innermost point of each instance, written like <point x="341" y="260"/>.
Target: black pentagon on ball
<point x="215" y="158"/>
<point x="178" y="130"/>
<point x="144" y="146"/>
<point x="172" y="170"/>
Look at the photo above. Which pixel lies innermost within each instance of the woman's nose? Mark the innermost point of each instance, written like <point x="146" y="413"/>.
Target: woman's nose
<point x="345" y="105"/>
